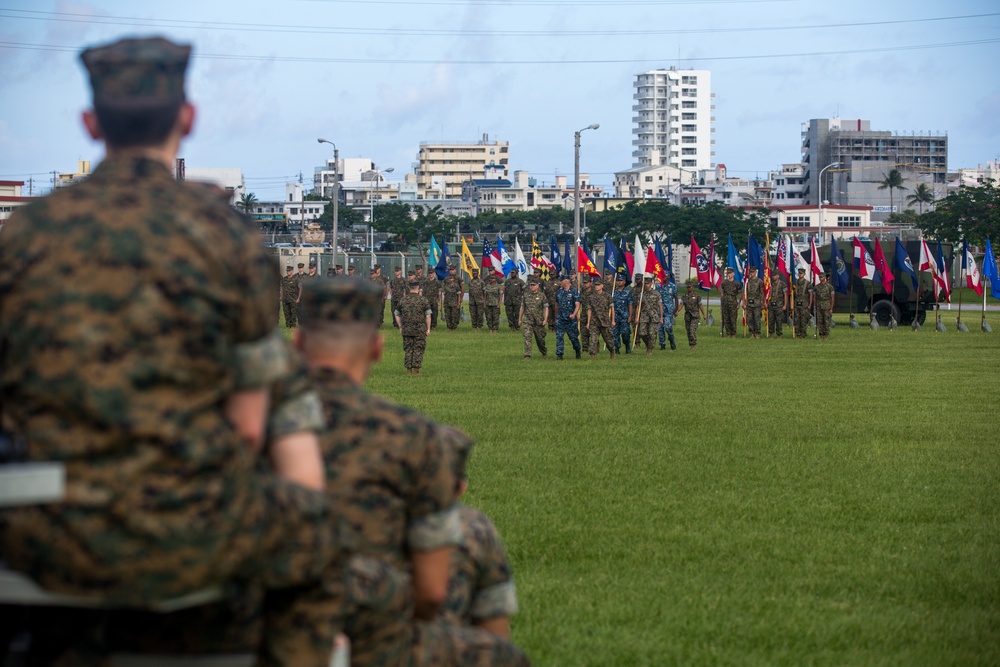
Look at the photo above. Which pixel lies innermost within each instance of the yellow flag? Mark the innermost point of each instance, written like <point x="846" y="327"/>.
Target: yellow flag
<point x="468" y="261"/>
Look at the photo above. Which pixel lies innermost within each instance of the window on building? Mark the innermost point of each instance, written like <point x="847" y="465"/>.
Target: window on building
<point x="689" y="151"/>
<point x="648" y="179"/>
<point x="797" y="221"/>
<point x="687" y="104"/>
<point x="689" y="140"/>
<point x="689" y="116"/>
<point x="689" y="163"/>
<point x="848" y="220"/>
<point x="689" y="128"/>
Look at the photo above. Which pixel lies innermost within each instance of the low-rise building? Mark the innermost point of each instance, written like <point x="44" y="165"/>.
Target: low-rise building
<point x="11" y="199"/>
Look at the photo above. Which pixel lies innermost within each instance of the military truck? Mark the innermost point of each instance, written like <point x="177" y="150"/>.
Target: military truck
<point x="867" y="296"/>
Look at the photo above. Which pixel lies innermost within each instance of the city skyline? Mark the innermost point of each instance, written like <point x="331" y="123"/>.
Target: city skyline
<point x="381" y="76"/>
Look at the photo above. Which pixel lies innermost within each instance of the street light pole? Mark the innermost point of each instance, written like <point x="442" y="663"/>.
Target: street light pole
<point x="371" y="219"/>
<point x="576" y="185"/>
<point x="820" y="226"/>
<point x="336" y="193"/>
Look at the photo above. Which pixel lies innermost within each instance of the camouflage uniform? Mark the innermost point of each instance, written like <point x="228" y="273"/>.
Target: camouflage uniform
<point x="692" y="315"/>
<point x="621" y="333"/>
<point x="730" y="306"/>
<point x="452" y="301"/>
<point x="668" y="294"/>
<point x="534" y="306"/>
<point x="290" y="299"/>
<point x="481" y="585"/>
<point x="776" y="307"/>
<point x="823" y="298"/>
<point x="513" y="292"/>
<point x="648" y="317"/>
<point x="133" y="307"/>
<point x="432" y="290"/>
<point x="600" y="323"/>
<point x="493" y="294"/>
<point x="754" y="305"/>
<point x="801" y="308"/>
<point x="412" y="312"/>
<point x="586" y="291"/>
<point x="398" y="288"/>
<point x="566" y="300"/>
<point x="477" y="301"/>
<point x="550" y="287"/>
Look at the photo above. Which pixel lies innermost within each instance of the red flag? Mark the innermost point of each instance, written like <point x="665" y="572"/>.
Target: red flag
<point x="584" y="264"/>
<point x="815" y="266"/>
<point x="882" y="266"/>
<point x="700" y="265"/>
<point x="653" y="266"/>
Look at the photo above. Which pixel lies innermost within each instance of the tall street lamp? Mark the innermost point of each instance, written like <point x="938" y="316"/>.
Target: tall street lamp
<point x="576" y="185"/>
<point x="336" y="193"/>
<point x="820" y="226"/>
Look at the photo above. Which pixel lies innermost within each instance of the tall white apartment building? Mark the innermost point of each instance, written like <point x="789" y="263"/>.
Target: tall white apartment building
<point x="673" y="119"/>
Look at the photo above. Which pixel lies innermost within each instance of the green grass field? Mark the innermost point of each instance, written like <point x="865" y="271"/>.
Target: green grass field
<point x="790" y="502"/>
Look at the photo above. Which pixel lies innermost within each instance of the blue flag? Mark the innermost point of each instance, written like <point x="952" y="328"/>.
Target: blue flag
<point x="567" y="259"/>
<point x="902" y="262"/>
<point x="755" y="256"/>
<point x="990" y="270"/>
<point x="435" y="254"/>
<point x="621" y="267"/>
<point x="610" y="256"/>
<point x="507" y="263"/>
<point x="838" y="269"/>
<point x="441" y="268"/>
<point x="554" y="254"/>
<point x="733" y="262"/>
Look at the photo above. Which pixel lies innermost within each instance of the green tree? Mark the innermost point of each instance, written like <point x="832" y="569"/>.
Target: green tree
<point x="893" y="181"/>
<point x="412" y="225"/>
<point x="973" y="212"/>
<point x="921" y="195"/>
<point x="247" y="203"/>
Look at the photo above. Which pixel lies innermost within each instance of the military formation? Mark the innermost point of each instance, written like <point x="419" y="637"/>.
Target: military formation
<point x="205" y="455"/>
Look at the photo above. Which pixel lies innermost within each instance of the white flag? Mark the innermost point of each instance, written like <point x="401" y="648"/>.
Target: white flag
<point x="639" y="257"/>
<point x="522" y="267"/>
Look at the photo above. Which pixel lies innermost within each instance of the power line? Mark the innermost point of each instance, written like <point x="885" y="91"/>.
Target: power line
<point x="438" y="61"/>
<point x="72" y="17"/>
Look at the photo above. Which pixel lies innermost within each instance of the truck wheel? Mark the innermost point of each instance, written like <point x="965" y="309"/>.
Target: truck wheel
<point x="883" y="310"/>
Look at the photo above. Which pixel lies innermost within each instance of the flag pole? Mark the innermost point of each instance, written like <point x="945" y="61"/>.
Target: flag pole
<point x="638" y="312"/>
<point x="983" y="320"/>
<point x="960" y="283"/>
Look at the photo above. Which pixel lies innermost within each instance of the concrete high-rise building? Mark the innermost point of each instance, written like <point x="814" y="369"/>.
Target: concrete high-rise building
<point x="865" y="157"/>
<point x="673" y="119"/>
<point x="444" y="166"/>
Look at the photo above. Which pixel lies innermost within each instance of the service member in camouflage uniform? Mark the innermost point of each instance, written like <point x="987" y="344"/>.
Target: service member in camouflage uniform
<point x="649" y="314"/>
<point x="477" y="300"/>
<point x="823" y="300"/>
<point x="493" y="294"/>
<point x="144" y="366"/>
<point x="289" y="293"/>
<point x="755" y="301"/>
<point x="312" y="270"/>
<point x="730" y="290"/>
<point x="413" y="318"/>
<point x="777" y="306"/>
<point x="534" y="315"/>
<point x="624" y="311"/>
<point x="803" y="302"/>
<point x="549" y="288"/>
<point x="601" y="321"/>
<point x="432" y="290"/>
<point x="398" y="289"/>
<point x="481" y="588"/>
<point x="513" y="293"/>
<point x="586" y="291"/>
<point x="668" y="297"/>
<point x="453" y="292"/>
<point x="392" y="472"/>
<point x="567" y="317"/>
<point x="691" y="303"/>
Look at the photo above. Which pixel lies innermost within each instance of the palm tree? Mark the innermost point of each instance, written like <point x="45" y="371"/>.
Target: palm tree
<point x="248" y="201"/>
<point x="921" y="195"/>
<point x="893" y="181"/>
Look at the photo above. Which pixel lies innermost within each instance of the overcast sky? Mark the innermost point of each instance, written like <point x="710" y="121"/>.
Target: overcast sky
<point x="379" y="76"/>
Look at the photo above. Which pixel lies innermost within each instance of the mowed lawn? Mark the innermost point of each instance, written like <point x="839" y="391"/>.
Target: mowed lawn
<point x="754" y="502"/>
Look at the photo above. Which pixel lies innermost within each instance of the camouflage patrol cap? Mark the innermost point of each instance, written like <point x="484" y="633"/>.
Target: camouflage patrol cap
<point x="475" y="272"/>
<point x="301" y="265"/>
<point x="137" y="73"/>
<point x="691" y="282"/>
<point x="341" y="299"/>
<point x="288" y="267"/>
<point x="413" y="284"/>
<point x="802" y="270"/>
